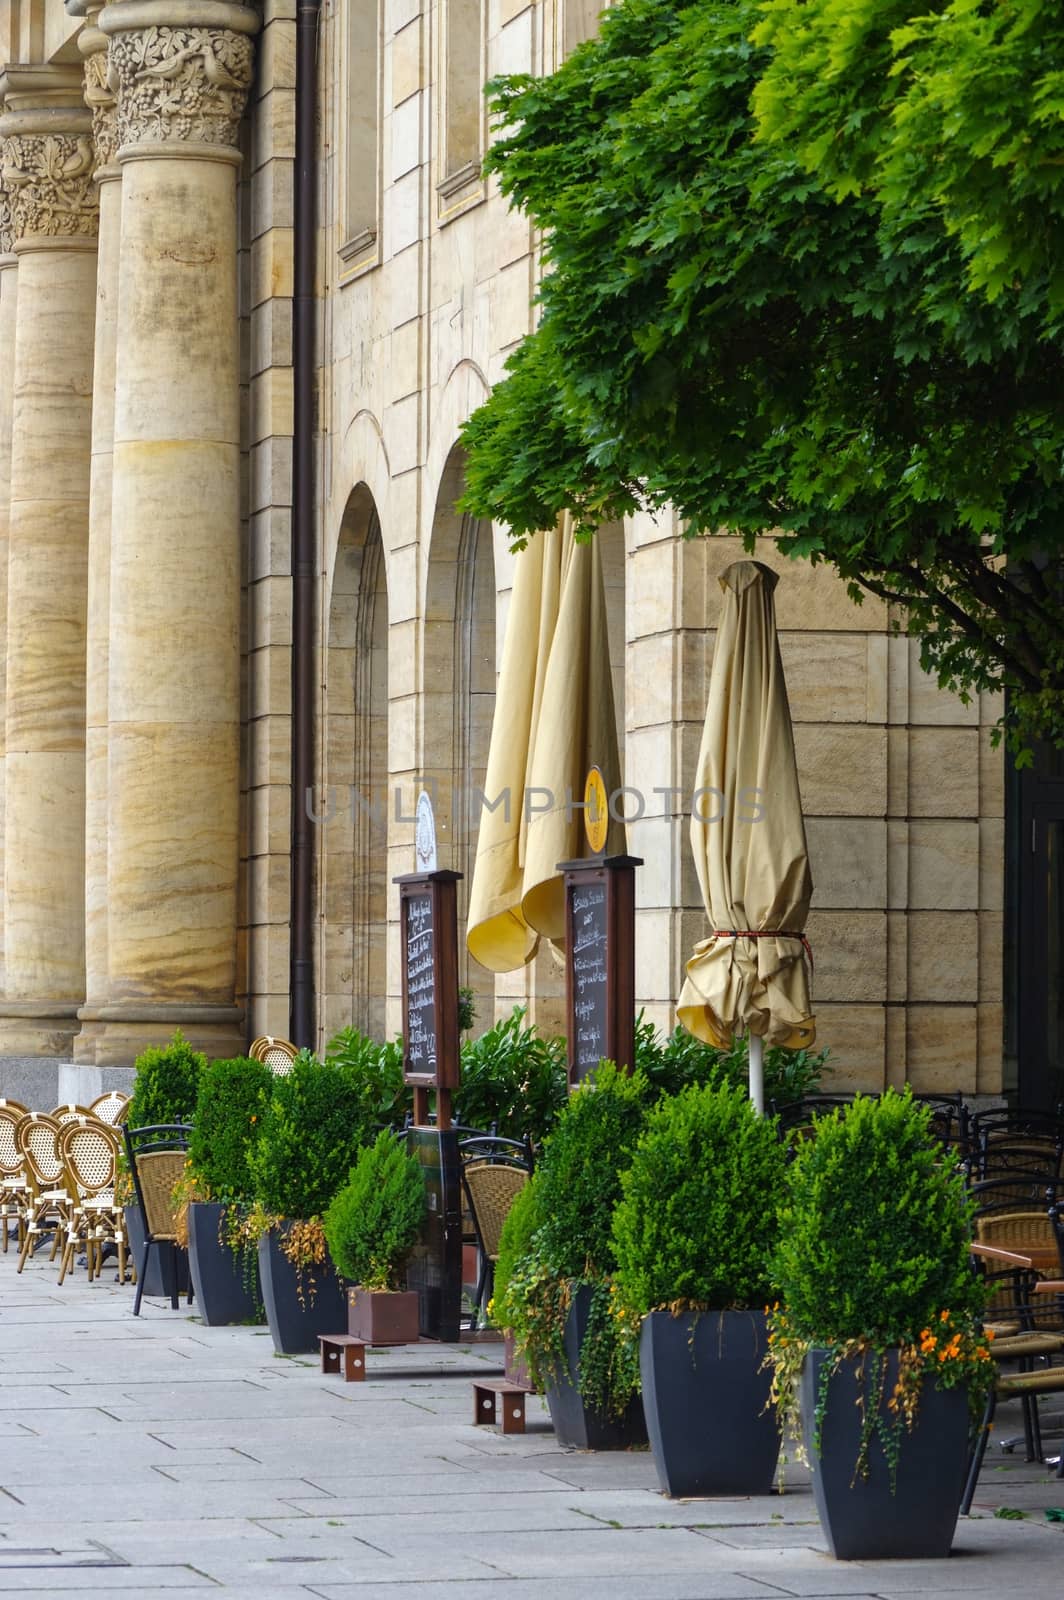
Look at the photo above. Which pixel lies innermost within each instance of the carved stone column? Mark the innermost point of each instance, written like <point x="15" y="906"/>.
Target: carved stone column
<point x="183" y="68"/>
<point x="8" y="289"/>
<point x="100" y="97"/>
<point x="47" y="160"/>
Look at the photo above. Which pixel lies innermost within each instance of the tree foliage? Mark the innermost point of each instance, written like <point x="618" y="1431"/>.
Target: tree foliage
<point x="803" y="275"/>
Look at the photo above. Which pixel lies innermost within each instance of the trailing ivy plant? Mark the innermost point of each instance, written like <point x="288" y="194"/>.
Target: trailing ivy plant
<point x="873" y="1257"/>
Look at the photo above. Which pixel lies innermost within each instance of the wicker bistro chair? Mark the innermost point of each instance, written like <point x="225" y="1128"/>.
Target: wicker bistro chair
<point x="491" y="1185"/>
<point x="278" y="1054"/>
<point x="112" y="1107"/>
<point x="49" y="1207"/>
<point x="89" y="1151"/>
<point x="156" y="1160"/>
<point x="14" y="1189"/>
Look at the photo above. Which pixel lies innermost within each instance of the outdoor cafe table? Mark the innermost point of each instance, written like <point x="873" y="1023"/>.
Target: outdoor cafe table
<point x="1036" y="1258"/>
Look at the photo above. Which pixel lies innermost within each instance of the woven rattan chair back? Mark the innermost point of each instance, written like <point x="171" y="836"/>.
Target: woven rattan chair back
<point x="37" y="1134"/>
<point x="112" y="1107"/>
<point x="90" y="1150"/>
<point x="69" y="1112"/>
<point x="11" y="1114"/>
<point x="492" y="1187"/>
<point x="1018" y="1230"/>
<point x="278" y="1054"/>
<point x="159" y="1170"/>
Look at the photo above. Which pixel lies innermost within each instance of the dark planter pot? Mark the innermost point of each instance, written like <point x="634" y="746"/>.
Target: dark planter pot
<point x="705" y="1398"/>
<point x="295" y="1327"/>
<point x="218" y="1275"/>
<point x="514" y="1367"/>
<point x="575" y="1423"/>
<point x="166" y="1259"/>
<point x="862" y="1519"/>
<point x="385" y="1317"/>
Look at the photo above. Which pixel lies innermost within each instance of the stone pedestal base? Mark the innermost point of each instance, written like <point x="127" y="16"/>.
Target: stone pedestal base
<point x="38" y="1028"/>
<point x="118" y="1033"/>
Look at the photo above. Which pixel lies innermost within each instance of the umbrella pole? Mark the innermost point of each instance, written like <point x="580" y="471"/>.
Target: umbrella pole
<point x="757" y="1072"/>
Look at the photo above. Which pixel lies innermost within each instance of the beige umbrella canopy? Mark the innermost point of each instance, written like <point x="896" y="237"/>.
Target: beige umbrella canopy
<point x="554" y="717"/>
<point x="751" y="974"/>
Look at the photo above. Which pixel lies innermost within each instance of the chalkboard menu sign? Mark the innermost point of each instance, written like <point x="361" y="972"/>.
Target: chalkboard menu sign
<point x="600" y="962"/>
<point x="420" y="957"/>
<point x="428" y="916"/>
<point x="590" y="975"/>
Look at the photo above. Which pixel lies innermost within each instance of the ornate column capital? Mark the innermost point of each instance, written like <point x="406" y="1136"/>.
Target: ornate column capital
<point x="101" y="86"/>
<point x="46" y="156"/>
<point x="182" y="68"/>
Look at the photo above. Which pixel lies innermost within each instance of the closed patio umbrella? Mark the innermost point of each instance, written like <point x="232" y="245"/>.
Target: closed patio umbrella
<point x="750" y="975"/>
<point x="554" y="717"/>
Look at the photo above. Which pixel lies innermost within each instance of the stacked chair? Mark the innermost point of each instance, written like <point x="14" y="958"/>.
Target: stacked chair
<point x="57" y="1179"/>
<point x="1014" y="1161"/>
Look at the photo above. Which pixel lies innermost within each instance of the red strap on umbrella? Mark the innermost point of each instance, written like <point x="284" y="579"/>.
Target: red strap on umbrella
<point x="766" y="933"/>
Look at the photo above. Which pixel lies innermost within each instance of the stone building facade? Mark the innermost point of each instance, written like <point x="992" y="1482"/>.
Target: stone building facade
<point x="146" y="426"/>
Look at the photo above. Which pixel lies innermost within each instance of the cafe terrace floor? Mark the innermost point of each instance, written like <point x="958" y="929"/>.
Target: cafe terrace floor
<point x="160" y="1457"/>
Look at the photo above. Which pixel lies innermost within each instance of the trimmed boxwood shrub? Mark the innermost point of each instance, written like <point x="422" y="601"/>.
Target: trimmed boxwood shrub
<point x="312" y="1130"/>
<point x="875" y="1228"/>
<point x="373" y="1223"/>
<point x="232" y="1099"/>
<point x="579" y="1177"/>
<point x="167" y="1083"/>
<point x="700" y="1214"/>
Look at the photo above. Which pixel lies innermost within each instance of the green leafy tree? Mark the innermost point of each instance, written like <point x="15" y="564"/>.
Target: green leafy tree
<point x="803" y="276"/>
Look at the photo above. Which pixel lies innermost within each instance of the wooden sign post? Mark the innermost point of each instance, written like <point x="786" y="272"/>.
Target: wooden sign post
<point x="428" y="915"/>
<point x="428" y="918"/>
<point x="600" y="962"/>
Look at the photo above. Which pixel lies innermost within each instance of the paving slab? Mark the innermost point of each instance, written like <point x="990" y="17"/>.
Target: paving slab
<point x="158" y="1457"/>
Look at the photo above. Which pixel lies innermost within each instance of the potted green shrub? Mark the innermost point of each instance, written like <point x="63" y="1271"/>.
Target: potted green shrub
<point x="878" y="1340"/>
<point x="312" y="1129"/>
<point x="232" y="1098"/>
<point x="164" y="1091"/>
<point x="371" y="1227"/>
<point x="512" y="1079"/>
<point x="557" y="1300"/>
<point x="693" y="1235"/>
<point x="515" y="1242"/>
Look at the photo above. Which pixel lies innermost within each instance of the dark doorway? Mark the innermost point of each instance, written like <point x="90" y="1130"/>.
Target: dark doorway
<point x="1034" y="931"/>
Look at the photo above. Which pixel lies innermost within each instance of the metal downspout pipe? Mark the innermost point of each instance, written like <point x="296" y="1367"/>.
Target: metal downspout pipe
<point x="304" y="541"/>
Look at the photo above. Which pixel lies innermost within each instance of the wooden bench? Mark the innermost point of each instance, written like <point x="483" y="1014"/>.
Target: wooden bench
<point x="485" y="1394"/>
<point x="337" y="1347"/>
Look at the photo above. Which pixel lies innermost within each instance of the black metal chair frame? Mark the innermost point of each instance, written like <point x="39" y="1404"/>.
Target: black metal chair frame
<point x="498" y="1151"/>
<point x="167" y="1136"/>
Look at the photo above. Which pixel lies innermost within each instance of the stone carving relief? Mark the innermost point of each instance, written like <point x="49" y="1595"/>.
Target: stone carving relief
<point x="181" y="83"/>
<point x="101" y="96"/>
<point x="7" y="236"/>
<point x="48" y="179"/>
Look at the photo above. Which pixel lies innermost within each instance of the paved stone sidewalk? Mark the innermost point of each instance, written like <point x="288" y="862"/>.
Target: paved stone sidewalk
<point x="160" y="1457"/>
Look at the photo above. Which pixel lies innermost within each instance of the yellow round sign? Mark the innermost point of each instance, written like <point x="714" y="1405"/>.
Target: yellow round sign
<point x="596" y="811"/>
